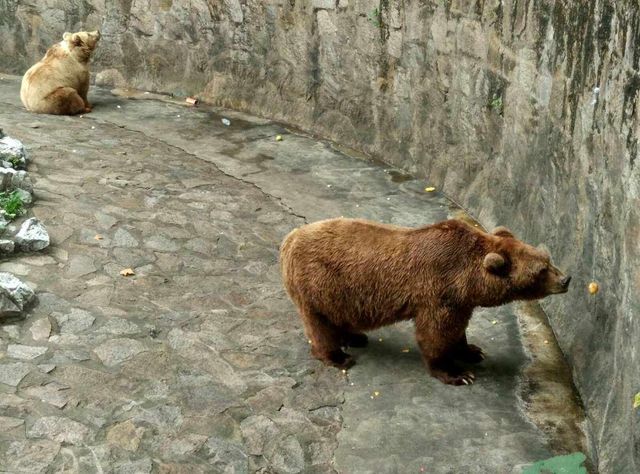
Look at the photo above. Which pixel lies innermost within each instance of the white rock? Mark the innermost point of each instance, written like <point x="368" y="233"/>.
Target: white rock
<point x="13" y="151"/>
<point x="32" y="236"/>
<point x="19" y="292"/>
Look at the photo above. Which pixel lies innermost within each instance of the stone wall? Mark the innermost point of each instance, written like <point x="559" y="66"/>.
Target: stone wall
<point x="524" y="111"/>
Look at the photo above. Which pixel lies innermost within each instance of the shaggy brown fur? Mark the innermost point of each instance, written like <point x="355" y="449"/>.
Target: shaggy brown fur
<point x="59" y="83"/>
<point x="347" y="276"/>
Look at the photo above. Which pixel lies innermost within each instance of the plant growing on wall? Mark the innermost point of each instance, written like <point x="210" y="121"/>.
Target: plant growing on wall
<point x="375" y="17"/>
<point x="496" y="104"/>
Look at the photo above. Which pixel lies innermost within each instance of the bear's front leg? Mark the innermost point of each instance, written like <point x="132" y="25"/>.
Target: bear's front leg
<point x="438" y="335"/>
<point x="468" y="353"/>
<point x="83" y="92"/>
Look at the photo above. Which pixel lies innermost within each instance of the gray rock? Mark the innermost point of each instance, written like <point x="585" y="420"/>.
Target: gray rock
<point x="227" y="456"/>
<point x="116" y="351"/>
<point x="14" y="295"/>
<point x="140" y="466"/>
<point x="25" y="196"/>
<point x="52" y="393"/>
<point x="166" y="417"/>
<point x="287" y="456"/>
<point x="6" y="179"/>
<point x="123" y="238"/>
<point x="32" y="236"/>
<point x="187" y="445"/>
<point x="161" y="244"/>
<point x="119" y="327"/>
<point x="61" y="429"/>
<point x="8" y="423"/>
<point x="105" y="220"/>
<point x="13" y="373"/>
<point x="20" y="180"/>
<point x="41" y="329"/>
<point x="235" y="10"/>
<point x="257" y="431"/>
<point x="4" y="223"/>
<point x="6" y="246"/>
<point x="19" y="351"/>
<point x="76" y="321"/>
<point x="226" y="247"/>
<point x="8" y="307"/>
<point x="80" y="265"/>
<point x="13" y="151"/>
<point x="21" y="293"/>
<point x="29" y="456"/>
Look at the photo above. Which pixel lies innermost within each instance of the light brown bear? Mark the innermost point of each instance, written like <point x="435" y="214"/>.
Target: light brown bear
<point x="347" y="276"/>
<point x="59" y="83"/>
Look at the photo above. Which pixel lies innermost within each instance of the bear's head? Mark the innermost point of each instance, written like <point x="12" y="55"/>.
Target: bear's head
<point x="524" y="272"/>
<point x="80" y="45"/>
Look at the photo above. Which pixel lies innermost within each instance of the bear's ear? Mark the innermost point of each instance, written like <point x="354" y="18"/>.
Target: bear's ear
<point x="494" y="262"/>
<point x="502" y="231"/>
<point x="66" y="36"/>
<point x="76" y="40"/>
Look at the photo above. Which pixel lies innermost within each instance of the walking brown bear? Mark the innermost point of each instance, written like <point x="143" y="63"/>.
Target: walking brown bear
<point x="347" y="276"/>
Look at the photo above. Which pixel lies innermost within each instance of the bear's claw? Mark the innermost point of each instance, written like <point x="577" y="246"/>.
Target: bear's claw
<point x="467" y="378"/>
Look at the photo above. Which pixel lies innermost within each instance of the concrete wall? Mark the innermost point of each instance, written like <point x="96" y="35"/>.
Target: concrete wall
<point x="524" y="111"/>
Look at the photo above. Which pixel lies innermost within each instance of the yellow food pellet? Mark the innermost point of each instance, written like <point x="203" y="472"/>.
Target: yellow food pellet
<point x="593" y="288"/>
<point x="429" y="189"/>
<point x="375" y="394"/>
<point x="278" y="138"/>
<point x="494" y="322"/>
<point x="380" y="339"/>
<point x="546" y="342"/>
<point x="344" y="371"/>
<point x="405" y="350"/>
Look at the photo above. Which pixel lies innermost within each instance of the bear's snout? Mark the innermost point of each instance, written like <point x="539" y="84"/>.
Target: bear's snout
<point x="561" y="285"/>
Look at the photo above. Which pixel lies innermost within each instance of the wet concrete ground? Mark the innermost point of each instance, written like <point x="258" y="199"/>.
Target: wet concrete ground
<point x="198" y="363"/>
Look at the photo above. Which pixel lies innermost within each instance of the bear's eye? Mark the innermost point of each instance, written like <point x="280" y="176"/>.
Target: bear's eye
<point x="543" y="271"/>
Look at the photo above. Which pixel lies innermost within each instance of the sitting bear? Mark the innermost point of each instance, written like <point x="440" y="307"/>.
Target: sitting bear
<point x="347" y="276"/>
<point x="59" y="83"/>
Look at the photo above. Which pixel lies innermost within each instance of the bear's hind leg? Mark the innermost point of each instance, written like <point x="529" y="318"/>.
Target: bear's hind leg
<point x="64" y="101"/>
<point x="325" y="339"/>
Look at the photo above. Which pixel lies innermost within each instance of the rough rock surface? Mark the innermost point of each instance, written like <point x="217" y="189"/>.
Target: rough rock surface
<point x="13" y="152"/>
<point x="32" y="236"/>
<point x="15" y="295"/>
<point x="525" y="112"/>
<point x="197" y="362"/>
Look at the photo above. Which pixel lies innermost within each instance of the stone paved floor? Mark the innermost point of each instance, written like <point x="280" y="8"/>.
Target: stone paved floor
<point x="198" y="363"/>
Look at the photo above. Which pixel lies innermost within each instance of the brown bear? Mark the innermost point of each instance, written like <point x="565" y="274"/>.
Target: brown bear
<point x="347" y="276"/>
<point x="59" y="82"/>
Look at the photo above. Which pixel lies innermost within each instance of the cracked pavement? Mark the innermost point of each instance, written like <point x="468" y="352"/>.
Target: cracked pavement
<point x="198" y="363"/>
